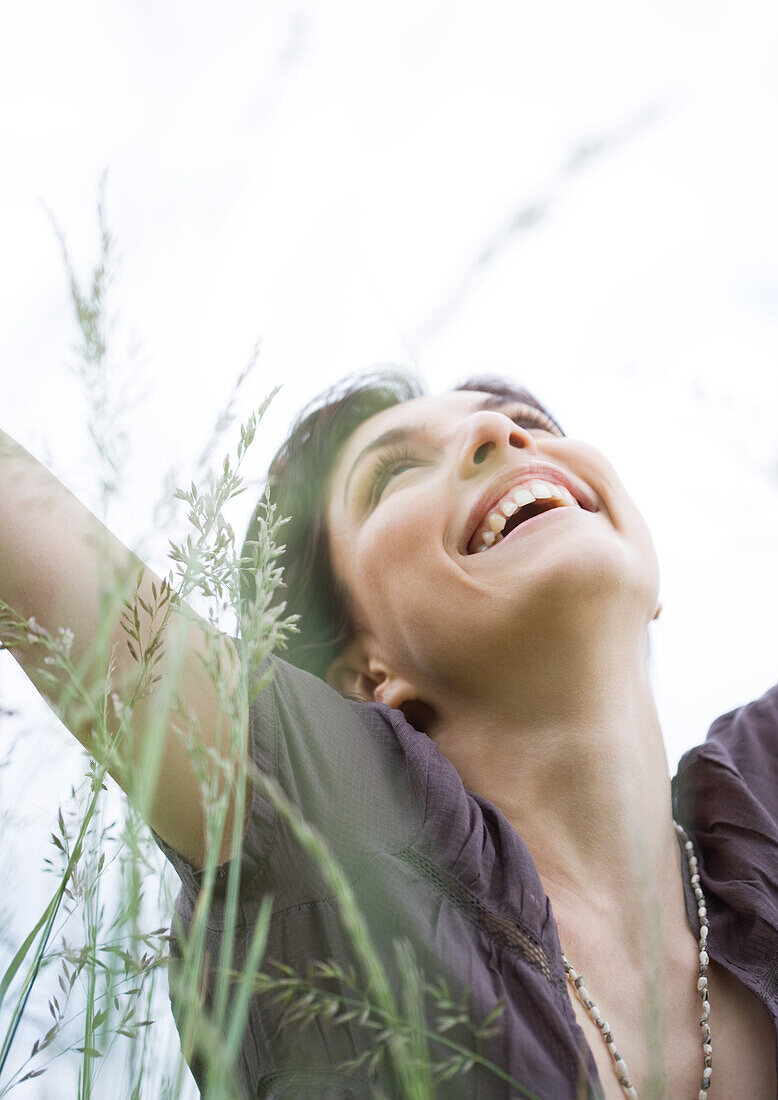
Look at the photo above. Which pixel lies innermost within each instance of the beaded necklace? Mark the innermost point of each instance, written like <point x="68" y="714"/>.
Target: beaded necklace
<point x="702" y="988"/>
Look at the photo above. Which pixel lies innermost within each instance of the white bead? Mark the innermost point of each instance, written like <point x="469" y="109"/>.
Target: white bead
<point x="702" y="985"/>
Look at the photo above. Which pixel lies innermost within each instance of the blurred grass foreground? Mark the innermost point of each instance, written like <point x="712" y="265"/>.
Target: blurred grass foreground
<point x="93" y="956"/>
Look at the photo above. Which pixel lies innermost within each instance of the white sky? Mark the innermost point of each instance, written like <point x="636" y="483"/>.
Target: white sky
<point x="340" y="180"/>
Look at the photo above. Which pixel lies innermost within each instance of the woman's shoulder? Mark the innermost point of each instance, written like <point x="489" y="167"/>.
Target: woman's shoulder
<point x="744" y="739"/>
<point x="728" y="785"/>
<point x="353" y="769"/>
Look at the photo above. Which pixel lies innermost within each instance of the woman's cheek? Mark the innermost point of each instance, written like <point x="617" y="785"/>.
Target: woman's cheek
<point x="390" y="558"/>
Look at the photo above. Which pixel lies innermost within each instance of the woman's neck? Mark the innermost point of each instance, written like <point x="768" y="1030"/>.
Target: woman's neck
<point x="576" y="762"/>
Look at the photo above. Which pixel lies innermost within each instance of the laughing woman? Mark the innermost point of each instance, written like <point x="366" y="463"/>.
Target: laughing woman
<point x="466" y="716"/>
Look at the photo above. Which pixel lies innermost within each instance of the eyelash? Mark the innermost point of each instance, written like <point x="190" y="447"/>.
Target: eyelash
<point x="534" y="418"/>
<point x="388" y="465"/>
<point x="391" y="462"/>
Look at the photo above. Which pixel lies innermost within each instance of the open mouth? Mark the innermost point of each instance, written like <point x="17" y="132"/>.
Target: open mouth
<point x="529" y="511"/>
<point x="521" y="503"/>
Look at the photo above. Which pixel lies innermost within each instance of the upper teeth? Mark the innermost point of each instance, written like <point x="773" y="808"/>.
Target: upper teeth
<point x="527" y="493"/>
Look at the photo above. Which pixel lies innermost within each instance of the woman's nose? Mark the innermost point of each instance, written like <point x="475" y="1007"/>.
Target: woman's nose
<point x="490" y="436"/>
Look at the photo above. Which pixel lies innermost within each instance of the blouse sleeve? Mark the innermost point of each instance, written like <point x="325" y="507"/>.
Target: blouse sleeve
<point x="726" y="793"/>
<point x="341" y="765"/>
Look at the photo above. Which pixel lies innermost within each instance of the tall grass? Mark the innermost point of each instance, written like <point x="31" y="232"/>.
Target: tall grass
<point x="97" y="956"/>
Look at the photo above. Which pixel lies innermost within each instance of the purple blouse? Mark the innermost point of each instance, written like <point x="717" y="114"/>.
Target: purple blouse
<point x="434" y="864"/>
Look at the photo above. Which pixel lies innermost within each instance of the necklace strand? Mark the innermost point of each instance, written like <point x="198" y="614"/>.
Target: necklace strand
<point x="702" y="988"/>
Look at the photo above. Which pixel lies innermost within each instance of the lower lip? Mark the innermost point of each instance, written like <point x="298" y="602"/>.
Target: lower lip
<point x="531" y="523"/>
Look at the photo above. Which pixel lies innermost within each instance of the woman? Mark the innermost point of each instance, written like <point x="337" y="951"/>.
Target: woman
<point x="490" y="771"/>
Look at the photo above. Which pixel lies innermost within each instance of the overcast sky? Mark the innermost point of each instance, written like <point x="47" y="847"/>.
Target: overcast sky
<point x="579" y="196"/>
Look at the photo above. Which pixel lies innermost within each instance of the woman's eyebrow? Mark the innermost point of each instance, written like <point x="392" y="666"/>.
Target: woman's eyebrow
<point x="495" y="401"/>
<point x="499" y="401"/>
<point x="389" y="438"/>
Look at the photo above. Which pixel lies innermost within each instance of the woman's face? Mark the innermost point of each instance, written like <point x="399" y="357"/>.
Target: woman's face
<point x="416" y="501"/>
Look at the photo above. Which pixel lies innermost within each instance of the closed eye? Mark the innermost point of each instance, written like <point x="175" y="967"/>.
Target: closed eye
<point x="528" y="417"/>
<point x="388" y="466"/>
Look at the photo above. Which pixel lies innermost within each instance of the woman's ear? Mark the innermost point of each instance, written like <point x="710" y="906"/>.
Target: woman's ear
<point x="354" y="674"/>
<point x="350" y="675"/>
<point x="402" y="695"/>
<point x="393" y="690"/>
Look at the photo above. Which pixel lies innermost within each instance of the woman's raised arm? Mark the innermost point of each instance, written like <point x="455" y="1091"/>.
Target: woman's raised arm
<point x="63" y="572"/>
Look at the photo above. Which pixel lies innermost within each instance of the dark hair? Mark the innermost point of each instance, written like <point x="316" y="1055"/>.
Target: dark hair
<point x="298" y="484"/>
